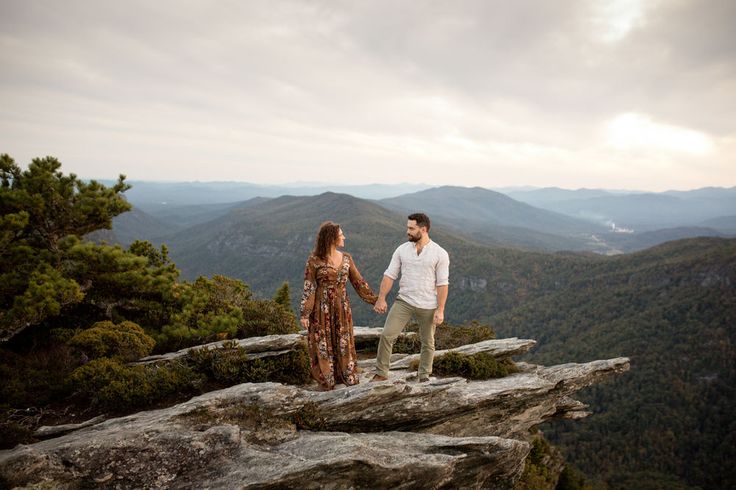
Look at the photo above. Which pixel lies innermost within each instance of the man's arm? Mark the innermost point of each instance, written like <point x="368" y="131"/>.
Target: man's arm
<point x="442" y="275"/>
<point x="391" y="274"/>
<point x="386" y="284"/>
<point x="439" y="313"/>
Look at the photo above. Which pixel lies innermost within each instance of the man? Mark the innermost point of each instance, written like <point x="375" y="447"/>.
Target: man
<point x="424" y="267"/>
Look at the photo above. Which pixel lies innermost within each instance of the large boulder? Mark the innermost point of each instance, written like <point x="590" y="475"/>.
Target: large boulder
<point x="445" y="432"/>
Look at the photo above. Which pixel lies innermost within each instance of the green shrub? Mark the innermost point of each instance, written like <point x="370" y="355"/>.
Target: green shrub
<point x="282" y="295"/>
<point x="111" y="385"/>
<point x="37" y="378"/>
<point x="232" y="365"/>
<point x="445" y="337"/>
<point x="476" y="366"/>
<point x="208" y="310"/>
<point x="62" y="335"/>
<point x="13" y="433"/>
<point x="540" y="467"/>
<point x="540" y="450"/>
<point x="126" y="341"/>
<point x="221" y="308"/>
<point x="407" y="345"/>
<point x="266" y="317"/>
<point x="451" y="337"/>
<point x="213" y="328"/>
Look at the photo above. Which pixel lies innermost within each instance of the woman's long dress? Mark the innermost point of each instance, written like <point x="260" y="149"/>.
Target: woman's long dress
<point x="325" y="302"/>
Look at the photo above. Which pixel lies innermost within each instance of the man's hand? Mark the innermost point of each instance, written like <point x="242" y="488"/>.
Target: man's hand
<point x="305" y="323"/>
<point x="380" y="306"/>
<point x="439" y="317"/>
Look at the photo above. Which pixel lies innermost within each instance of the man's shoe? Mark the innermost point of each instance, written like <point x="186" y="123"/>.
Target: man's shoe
<point x="378" y="377"/>
<point x="416" y="378"/>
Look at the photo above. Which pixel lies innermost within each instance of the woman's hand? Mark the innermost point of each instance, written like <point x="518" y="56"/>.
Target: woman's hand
<point x="305" y="323"/>
<point x="380" y="306"/>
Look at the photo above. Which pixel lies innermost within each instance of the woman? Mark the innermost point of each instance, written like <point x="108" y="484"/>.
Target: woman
<point x="325" y="309"/>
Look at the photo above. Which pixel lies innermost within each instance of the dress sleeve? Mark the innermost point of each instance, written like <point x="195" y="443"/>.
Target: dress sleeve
<point x="310" y="286"/>
<point x="360" y="285"/>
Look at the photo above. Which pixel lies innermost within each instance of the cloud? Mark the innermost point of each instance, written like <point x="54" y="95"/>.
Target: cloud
<point x="508" y="92"/>
<point x="638" y="132"/>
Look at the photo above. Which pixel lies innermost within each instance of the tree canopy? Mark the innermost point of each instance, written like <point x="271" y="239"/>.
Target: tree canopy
<point x="45" y="267"/>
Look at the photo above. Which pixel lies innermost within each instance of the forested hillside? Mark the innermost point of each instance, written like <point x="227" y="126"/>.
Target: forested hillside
<point x="672" y="310"/>
<point x="267" y="243"/>
<point x="498" y="219"/>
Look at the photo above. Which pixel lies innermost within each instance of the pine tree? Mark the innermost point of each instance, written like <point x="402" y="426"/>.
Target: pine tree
<point x="283" y="295"/>
<point x="47" y="269"/>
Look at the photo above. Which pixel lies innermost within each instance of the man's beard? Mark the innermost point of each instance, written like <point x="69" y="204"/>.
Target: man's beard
<point x="414" y="239"/>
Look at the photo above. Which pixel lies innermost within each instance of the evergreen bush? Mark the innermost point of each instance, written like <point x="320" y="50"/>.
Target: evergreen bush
<point x="476" y="366"/>
<point x="266" y="317"/>
<point x="110" y="385"/>
<point x="231" y="365"/>
<point x="126" y="341"/>
<point x="283" y="295"/>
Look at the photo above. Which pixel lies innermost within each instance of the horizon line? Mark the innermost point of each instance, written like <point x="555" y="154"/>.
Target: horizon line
<point x="308" y="184"/>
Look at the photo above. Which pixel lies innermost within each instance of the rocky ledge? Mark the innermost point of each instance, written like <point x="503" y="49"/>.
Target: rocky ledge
<point x="445" y="432"/>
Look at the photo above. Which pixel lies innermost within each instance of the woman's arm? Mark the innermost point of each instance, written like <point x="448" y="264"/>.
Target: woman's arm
<point x="308" y="294"/>
<point x="360" y="285"/>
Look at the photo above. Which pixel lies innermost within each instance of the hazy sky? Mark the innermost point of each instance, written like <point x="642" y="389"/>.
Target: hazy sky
<point x="619" y="94"/>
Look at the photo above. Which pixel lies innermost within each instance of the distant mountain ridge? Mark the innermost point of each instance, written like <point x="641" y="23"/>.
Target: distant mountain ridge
<point x="486" y="207"/>
<point x="154" y="195"/>
<point x="548" y="219"/>
<point x="642" y="211"/>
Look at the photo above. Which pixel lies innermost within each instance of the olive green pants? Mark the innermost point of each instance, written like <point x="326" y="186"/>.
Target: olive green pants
<point x="398" y="316"/>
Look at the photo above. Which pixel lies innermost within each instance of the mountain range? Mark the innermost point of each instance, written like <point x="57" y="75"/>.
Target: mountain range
<point x="671" y="308"/>
<point x="600" y="221"/>
<point x="155" y="196"/>
<point x="640" y="211"/>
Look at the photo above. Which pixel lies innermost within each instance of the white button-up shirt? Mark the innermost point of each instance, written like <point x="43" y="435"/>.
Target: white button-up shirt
<point x="420" y="274"/>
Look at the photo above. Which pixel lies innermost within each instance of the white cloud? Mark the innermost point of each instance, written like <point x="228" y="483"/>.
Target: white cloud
<point x="613" y="20"/>
<point x="472" y="92"/>
<point x="633" y="131"/>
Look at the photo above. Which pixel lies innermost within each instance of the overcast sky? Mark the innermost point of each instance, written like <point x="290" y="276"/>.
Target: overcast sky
<point x="620" y="94"/>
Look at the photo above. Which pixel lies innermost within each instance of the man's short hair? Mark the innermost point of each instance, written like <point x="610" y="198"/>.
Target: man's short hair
<point x="421" y="219"/>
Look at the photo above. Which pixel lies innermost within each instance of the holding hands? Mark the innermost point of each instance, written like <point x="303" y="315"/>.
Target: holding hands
<point x="380" y="306"/>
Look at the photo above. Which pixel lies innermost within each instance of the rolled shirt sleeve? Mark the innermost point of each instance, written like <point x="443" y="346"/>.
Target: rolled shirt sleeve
<point x="443" y="269"/>
<point x="394" y="267"/>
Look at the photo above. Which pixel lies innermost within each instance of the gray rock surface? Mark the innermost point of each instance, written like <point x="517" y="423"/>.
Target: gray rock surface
<point x="496" y="347"/>
<point x="368" y="333"/>
<point x="268" y="343"/>
<point x="262" y="345"/>
<point x="175" y="453"/>
<point x="55" y="430"/>
<point x="454" y="433"/>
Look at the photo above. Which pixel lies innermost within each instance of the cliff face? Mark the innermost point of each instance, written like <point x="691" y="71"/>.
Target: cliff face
<point x="447" y="432"/>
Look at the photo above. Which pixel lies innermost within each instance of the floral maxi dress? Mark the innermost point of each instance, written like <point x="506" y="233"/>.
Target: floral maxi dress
<point x="325" y="302"/>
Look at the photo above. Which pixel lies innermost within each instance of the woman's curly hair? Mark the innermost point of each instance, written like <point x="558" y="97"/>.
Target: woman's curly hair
<point x="326" y="237"/>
